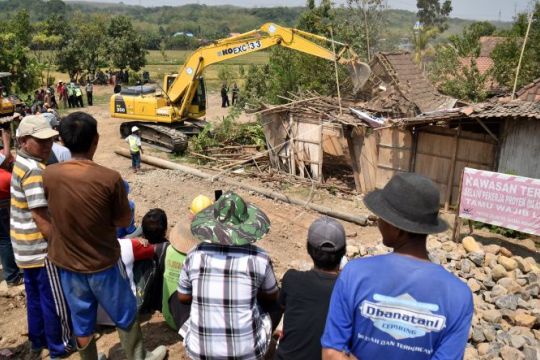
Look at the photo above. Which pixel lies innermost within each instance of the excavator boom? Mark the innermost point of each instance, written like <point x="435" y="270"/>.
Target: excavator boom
<point x="265" y="37"/>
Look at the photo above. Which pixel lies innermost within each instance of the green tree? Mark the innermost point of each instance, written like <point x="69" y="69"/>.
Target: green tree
<point x="462" y="82"/>
<point x="468" y="42"/>
<point x="506" y="55"/>
<point x="434" y="13"/>
<point x="125" y="45"/>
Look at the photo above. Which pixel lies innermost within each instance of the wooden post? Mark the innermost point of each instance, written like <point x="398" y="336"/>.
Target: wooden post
<point x="349" y="134"/>
<point x="292" y="162"/>
<point x="450" y="181"/>
<point x="457" y="223"/>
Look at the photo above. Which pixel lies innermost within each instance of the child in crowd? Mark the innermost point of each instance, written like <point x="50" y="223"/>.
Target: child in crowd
<point x="135" y="148"/>
<point x="305" y="295"/>
<point x="182" y="241"/>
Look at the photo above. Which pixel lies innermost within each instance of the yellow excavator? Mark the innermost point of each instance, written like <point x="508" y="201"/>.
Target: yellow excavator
<point x="166" y="118"/>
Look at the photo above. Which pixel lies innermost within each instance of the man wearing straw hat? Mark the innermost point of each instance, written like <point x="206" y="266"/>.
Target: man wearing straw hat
<point x="226" y="279"/>
<point x="400" y="305"/>
<point x="182" y="241"/>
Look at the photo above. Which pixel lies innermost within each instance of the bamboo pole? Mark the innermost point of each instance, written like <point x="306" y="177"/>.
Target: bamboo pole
<point x="522" y="52"/>
<point x="165" y="164"/>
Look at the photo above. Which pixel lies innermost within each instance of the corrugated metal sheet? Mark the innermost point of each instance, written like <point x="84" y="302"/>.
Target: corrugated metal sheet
<point x="520" y="149"/>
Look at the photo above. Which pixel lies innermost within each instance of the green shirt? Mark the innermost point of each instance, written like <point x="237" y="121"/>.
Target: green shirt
<point x="173" y="265"/>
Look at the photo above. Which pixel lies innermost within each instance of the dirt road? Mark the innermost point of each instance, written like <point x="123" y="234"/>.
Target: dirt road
<point x="173" y="192"/>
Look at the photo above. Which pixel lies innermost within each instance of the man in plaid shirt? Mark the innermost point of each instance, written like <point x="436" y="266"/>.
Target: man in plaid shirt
<point x="226" y="279"/>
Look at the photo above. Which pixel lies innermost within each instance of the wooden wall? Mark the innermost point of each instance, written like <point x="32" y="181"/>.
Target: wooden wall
<point x="441" y="155"/>
<point x="394" y="154"/>
<point x="520" y="148"/>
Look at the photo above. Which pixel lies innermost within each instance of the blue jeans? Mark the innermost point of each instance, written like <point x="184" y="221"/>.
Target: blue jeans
<point x="136" y="160"/>
<point x="11" y="271"/>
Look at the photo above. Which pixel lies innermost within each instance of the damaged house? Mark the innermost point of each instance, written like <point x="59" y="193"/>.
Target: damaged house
<point x="398" y="129"/>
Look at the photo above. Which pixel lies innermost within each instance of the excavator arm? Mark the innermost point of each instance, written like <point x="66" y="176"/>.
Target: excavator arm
<point x="182" y="90"/>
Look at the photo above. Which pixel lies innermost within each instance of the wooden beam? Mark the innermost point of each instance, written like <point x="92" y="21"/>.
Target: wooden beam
<point x="487" y="129"/>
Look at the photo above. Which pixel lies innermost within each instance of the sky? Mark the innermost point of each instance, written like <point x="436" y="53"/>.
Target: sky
<point x="465" y="9"/>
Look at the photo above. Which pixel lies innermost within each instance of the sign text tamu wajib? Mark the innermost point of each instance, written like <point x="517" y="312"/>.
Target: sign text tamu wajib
<point x="503" y="200"/>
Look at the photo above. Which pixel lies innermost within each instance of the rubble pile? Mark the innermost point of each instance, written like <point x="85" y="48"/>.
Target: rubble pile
<point x="506" y="321"/>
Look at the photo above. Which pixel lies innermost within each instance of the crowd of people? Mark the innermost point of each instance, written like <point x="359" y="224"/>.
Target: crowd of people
<point x="85" y="262"/>
<point x="63" y="95"/>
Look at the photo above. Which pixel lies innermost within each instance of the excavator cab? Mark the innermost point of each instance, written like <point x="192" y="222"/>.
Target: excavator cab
<point x="197" y="108"/>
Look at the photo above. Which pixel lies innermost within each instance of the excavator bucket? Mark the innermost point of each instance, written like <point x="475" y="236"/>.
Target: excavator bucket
<point x="359" y="73"/>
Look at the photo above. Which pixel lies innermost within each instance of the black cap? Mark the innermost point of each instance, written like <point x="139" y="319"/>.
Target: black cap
<point x="326" y="234"/>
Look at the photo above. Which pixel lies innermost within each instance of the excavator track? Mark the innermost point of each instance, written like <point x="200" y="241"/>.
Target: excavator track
<point x="164" y="138"/>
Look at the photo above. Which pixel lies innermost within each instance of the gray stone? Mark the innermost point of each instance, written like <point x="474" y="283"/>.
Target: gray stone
<point x="477" y="258"/>
<point x="509" y="353"/>
<point x="517" y="341"/>
<point x="492" y="316"/>
<point x="498" y="290"/>
<point x="503" y="337"/>
<point x="490" y="260"/>
<point x="466" y="266"/>
<point x="470" y="353"/>
<point x="478" y="335"/>
<point x="474" y="285"/>
<point x="483" y="348"/>
<point x="531" y="352"/>
<point x="509" y="284"/>
<point x="479" y="274"/>
<point x="490" y="333"/>
<point x="523" y="266"/>
<point x="532" y="278"/>
<point x="498" y="272"/>
<point x="507" y="302"/>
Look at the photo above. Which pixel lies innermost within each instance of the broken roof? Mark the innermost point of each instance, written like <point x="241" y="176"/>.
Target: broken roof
<point x="513" y="109"/>
<point x="530" y="92"/>
<point x="494" y="110"/>
<point x="410" y="81"/>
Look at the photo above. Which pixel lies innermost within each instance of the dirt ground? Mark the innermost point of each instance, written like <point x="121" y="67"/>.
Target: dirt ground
<point x="173" y="192"/>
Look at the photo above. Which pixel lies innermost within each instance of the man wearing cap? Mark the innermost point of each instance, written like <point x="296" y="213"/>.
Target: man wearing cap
<point x="305" y="295"/>
<point x="226" y="279"/>
<point x="48" y="323"/>
<point x="84" y="245"/>
<point x="400" y="305"/>
<point x="182" y="241"/>
<point x="135" y="148"/>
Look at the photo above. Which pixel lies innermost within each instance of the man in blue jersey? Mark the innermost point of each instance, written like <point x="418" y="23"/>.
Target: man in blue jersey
<point x="399" y="305"/>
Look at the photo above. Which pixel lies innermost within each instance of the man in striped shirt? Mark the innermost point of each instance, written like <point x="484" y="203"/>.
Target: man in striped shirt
<point x="48" y="322"/>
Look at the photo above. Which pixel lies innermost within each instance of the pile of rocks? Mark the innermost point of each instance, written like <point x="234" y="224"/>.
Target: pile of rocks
<point x="506" y="322"/>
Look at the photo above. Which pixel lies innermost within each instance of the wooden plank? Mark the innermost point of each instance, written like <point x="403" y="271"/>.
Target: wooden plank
<point x="452" y="169"/>
<point x="368" y="161"/>
<point x="394" y="154"/>
<point x="355" y="157"/>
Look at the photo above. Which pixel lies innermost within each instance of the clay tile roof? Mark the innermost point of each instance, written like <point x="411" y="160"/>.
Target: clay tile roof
<point x="484" y="64"/>
<point x="413" y="83"/>
<point x="513" y="109"/>
<point x="488" y="44"/>
<point x="530" y="92"/>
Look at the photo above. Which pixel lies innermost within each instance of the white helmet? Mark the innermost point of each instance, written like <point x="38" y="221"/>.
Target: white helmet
<point x="134" y="129"/>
